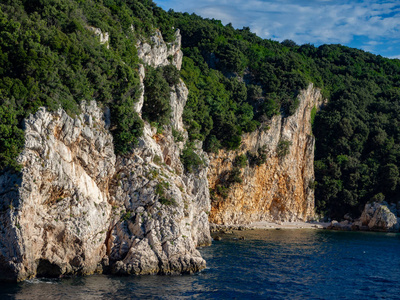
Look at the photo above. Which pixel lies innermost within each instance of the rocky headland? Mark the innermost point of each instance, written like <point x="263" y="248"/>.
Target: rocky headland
<point x="77" y="208"/>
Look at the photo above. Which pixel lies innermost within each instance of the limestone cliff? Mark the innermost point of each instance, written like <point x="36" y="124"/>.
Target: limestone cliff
<point x="278" y="177"/>
<point x="77" y="208"/>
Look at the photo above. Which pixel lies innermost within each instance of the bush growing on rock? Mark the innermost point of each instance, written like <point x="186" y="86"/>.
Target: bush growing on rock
<point x="240" y="161"/>
<point x="258" y="158"/>
<point x="190" y="159"/>
<point x="156" y="106"/>
<point x="283" y="148"/>
<point x="161" y="190"/>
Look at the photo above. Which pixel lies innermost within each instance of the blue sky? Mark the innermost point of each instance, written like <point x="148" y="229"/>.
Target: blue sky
<point x="373" y="26"/>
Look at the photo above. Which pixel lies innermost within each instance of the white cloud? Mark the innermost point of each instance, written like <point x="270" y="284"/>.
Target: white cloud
<point x="305" y="21"/>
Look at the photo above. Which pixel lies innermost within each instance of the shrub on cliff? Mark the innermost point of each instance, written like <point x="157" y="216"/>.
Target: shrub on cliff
<point x="156" y="106"/>
<point x="171" y="74"/>
<point x="190" y="159"/>
<point x="283" y="148"/>
<point x="258" y="158"/>
<point x="240" y="161"/>
<point x="235" y="176"/>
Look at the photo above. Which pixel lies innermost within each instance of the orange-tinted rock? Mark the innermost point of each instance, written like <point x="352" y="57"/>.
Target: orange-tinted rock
<point x="282" y="187"/>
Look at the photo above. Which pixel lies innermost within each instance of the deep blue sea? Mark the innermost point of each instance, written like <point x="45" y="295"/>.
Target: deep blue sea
<point x="273" y="264"/>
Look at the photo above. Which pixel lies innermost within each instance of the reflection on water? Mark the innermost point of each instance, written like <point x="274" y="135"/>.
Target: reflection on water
<point x="284" y="264"/>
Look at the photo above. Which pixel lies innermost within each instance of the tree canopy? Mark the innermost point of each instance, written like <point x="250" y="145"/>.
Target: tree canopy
<point x="50" y="57"/>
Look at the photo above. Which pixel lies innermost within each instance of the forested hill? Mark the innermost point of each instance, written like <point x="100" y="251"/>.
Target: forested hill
<point x="49" y="57"/>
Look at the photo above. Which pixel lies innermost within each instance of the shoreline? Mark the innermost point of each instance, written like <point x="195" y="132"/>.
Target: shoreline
<point x="265" y="225"/>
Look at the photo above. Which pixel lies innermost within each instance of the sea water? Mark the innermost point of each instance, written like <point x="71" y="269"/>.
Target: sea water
<point x="268" y="264"/>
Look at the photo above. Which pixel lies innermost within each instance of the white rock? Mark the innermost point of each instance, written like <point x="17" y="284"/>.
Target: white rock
<point x="378" y="216"/>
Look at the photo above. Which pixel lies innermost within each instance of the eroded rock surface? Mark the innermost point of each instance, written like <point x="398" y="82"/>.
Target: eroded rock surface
<point x="160" y="215"/>
<point x="77" y="208"/>
<point x="158" y="53"/>
<point x="380" y="217"/>
<point x="279" y="189"/>
<point x="55" y="214"/>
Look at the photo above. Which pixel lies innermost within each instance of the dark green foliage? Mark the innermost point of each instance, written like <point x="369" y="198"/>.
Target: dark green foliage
<point x="170" y="74"/>
<point x="11" y="137"/>
<point x="190" y="159"/>
<point x="283" y="148"/>
<point x="127" y="216"/>
<point x="313" y="114"/>
<point x="212" y="144"/>
<point x="212" y="113"/>
<point x="240" y="161"/>
<point x="235" y="176"/>
<point x="258" y="158"/>
<point x="357" y="146"/>
<point x="222" y="191"/>
<point x="225" y="181"/>
<point x="128" y="125"/>
<point x="156" y="106"/>
<point x="178" y="136"/>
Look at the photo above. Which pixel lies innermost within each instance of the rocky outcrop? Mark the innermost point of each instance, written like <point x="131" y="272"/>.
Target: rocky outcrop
<point x="376" y="216"/>
<point x="77" y="208"/>
<point x="277" y="181"/>
<point x="380" y="217"/>
<point x="160" y="211"/>
<point x="55" y="214"/>
<point x="158" y="53"/>
<point x="103" y="36"/>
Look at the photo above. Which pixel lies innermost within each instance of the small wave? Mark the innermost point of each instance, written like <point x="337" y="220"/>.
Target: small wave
<point x="39" y="280"/>
<point x="380" y="279"/>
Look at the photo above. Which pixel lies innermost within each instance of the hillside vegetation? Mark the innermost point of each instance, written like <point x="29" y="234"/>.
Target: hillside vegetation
<point x="50" y="57"/>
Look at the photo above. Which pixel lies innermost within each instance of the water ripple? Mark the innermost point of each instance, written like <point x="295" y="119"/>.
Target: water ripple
<point x="285" y="264"/>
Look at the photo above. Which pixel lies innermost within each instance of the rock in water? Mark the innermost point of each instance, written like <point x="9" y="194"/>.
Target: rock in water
<point x="380" y="217"/>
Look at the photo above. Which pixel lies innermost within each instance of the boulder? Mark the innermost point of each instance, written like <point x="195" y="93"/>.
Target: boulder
<point x="380" y="217"/>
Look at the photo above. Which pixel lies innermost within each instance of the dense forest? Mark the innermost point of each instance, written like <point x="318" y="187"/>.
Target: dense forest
<point x="50" y="57"/>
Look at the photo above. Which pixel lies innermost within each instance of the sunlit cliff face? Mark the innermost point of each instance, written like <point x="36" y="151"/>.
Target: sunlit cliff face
<point x="279" y="189"/>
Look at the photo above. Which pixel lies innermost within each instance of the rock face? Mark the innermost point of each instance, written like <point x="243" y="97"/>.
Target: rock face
<point x="76" y="208"/>
<point x="380" y="217"/>
<point x="163" y="214"/>
<point x="103" y="36"/>
<point x="54" y="215"/>
<point x="158" y="53"/>
<point x="279" y="189"/>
